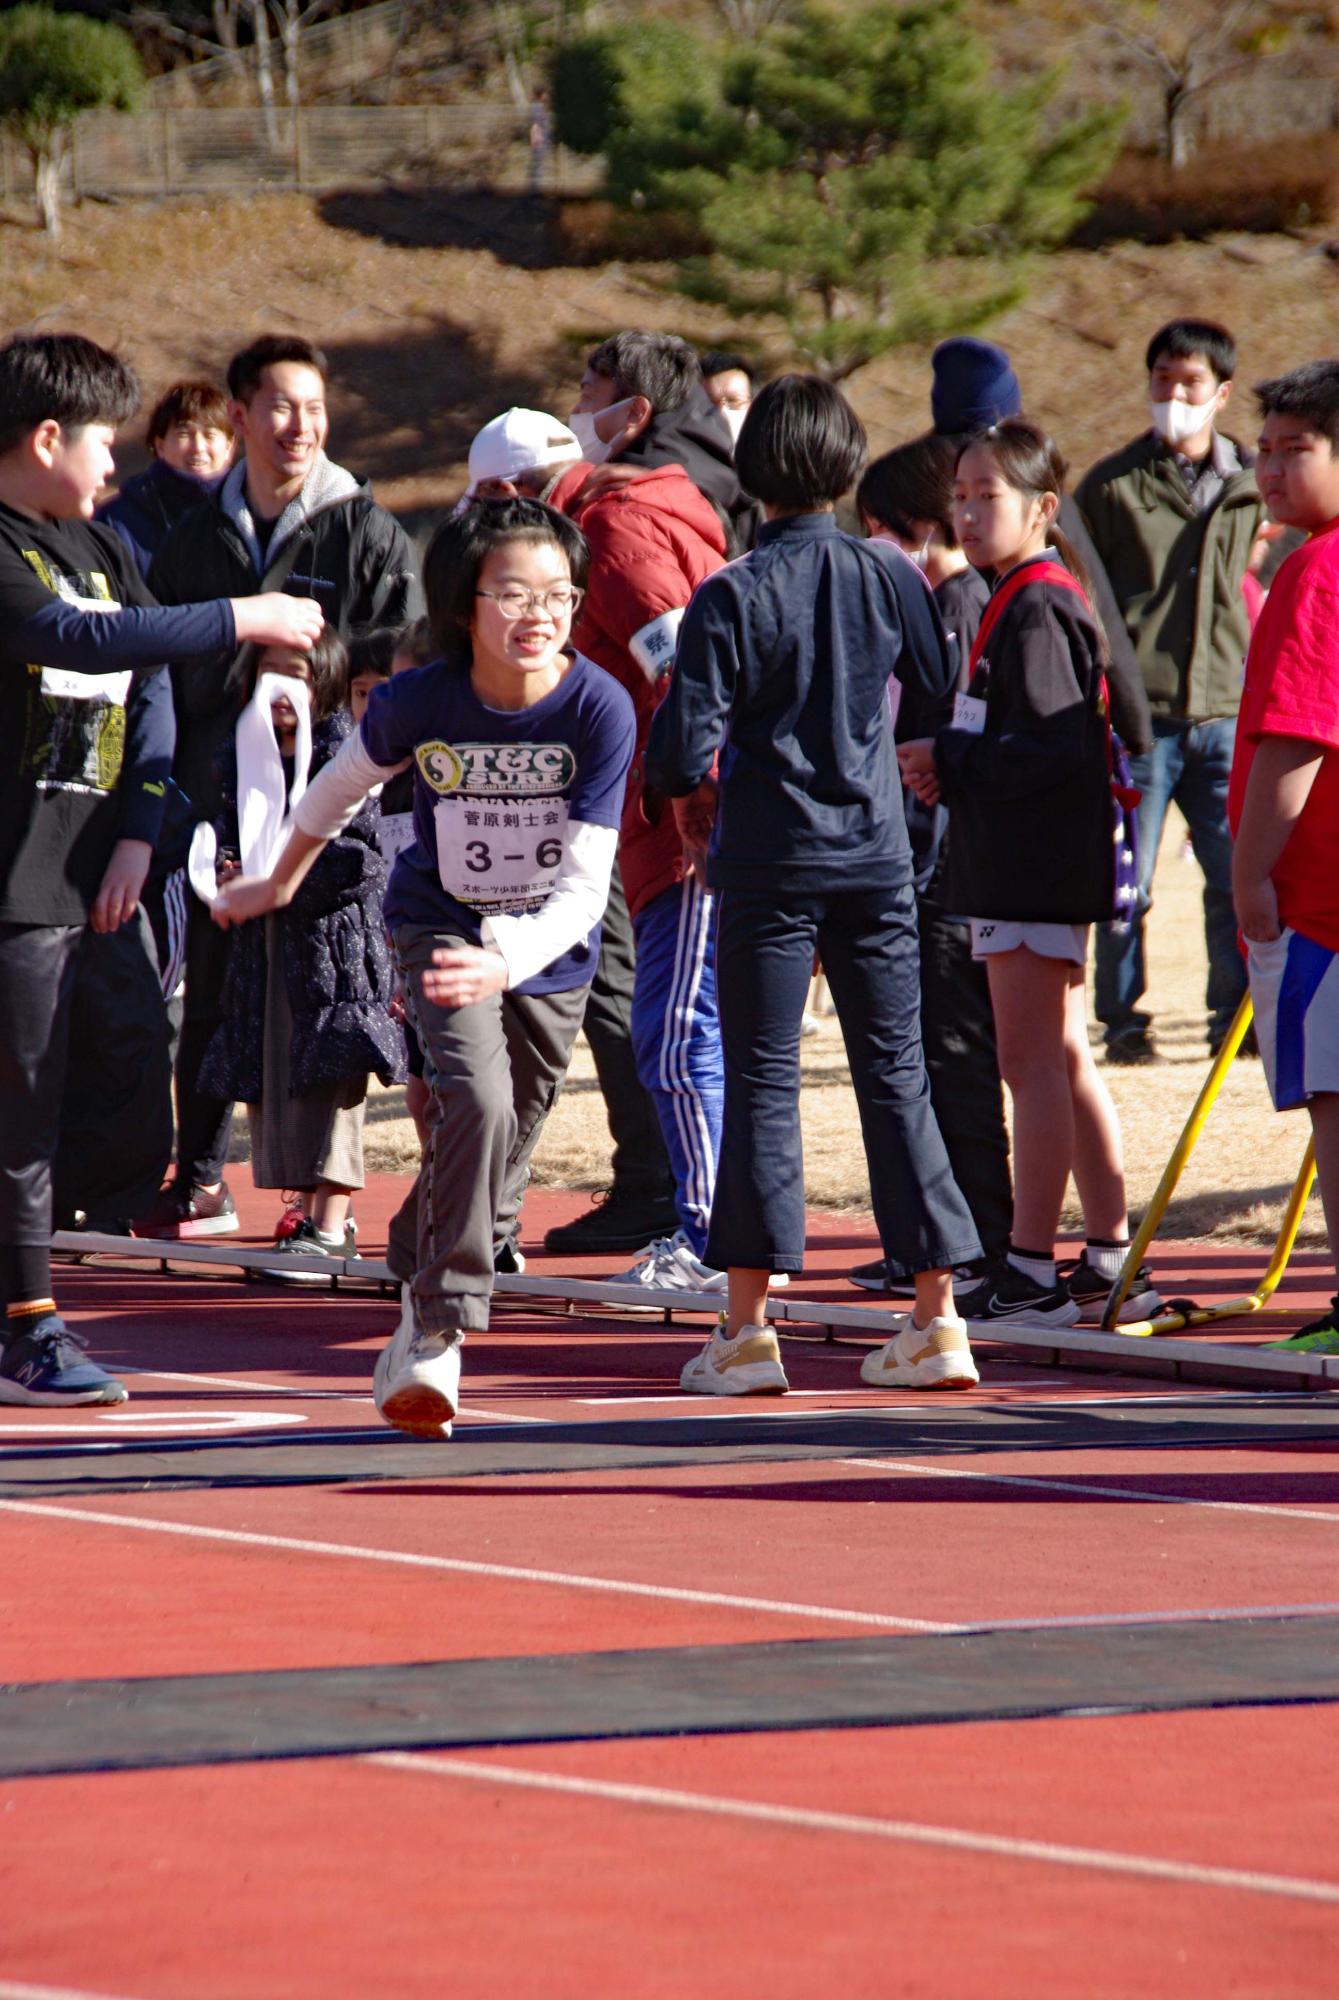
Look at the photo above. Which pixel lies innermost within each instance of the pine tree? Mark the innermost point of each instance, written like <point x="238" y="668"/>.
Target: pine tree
<point x="859" y="175"/>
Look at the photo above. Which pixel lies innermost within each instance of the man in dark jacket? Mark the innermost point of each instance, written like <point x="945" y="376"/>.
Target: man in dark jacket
<point x="285" y="518"/>
<point x="1174" y="515"/>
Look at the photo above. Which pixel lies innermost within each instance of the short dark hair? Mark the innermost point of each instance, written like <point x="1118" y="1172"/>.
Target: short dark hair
<point x="416" y="638"/>
<point x="368" y="653"/>
<point x="1309" y="393"/>
<point x="1030" y="460"/>
<point x="195" y="402"/>
<point x="912" y="483"/>
<point x="327" y="663"/>
<point x="460" y="547"/>
<point x="61" y="378"/>
<point x="245" y="369"/>
<point x="1182" y="339"/>
<point x="659" y="366"/>
<point x="716" y="363"/>
<point x="801" y="445"/>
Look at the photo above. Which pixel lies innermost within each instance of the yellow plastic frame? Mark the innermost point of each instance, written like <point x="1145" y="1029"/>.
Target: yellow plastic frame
<point x="1253" y="1301"/>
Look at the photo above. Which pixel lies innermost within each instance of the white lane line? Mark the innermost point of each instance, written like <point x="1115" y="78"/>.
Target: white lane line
<point x="506" y="1572"/>
<point x="291" y="1389"/>
<point x="1106" y="1861"/>
<point x="914" y="1467"/>
<point x="14" y="1989"/>
<point x="1223" y="1614"/>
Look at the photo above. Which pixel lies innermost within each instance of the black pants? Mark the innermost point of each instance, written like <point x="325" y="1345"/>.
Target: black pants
<point x="640" y="1161"/>
<point x="958" y="1028"/>
<point x="204" y="1124"/>
<point x="116" y="1117"/>
<point x="36" y="985"/>
<point x="764" y="958"/>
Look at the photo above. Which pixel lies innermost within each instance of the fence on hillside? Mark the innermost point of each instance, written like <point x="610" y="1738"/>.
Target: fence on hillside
<point x="200" y="151"/>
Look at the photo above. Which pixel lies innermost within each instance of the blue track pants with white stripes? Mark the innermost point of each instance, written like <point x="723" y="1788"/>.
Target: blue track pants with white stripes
<point x="676" y="1036"/>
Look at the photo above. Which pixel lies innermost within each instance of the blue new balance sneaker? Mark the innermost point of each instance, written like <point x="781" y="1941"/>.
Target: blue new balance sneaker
<point x="46" y="1365"/>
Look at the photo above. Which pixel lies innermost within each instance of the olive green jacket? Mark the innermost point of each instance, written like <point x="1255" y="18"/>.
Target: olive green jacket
<point x="1176" y="574"/>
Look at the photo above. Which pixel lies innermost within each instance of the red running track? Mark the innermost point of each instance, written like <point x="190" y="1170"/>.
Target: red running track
<point x="244" y="1516"/>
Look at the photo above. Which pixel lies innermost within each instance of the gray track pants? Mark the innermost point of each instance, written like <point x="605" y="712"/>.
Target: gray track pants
<point x="494" y="1070"/>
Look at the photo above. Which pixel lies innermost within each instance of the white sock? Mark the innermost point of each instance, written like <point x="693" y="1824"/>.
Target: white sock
<point x="1041" y="1270"/>
<point x="326" y="1236"/>
<point x="1107" y="1258"/>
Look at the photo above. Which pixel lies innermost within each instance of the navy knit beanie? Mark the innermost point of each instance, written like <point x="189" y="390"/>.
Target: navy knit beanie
<point x="974" y="386"/>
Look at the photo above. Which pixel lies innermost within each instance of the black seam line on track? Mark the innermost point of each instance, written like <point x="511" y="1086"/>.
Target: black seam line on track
<point x="289" y="1458"/>
<point x="50" y="1728"/>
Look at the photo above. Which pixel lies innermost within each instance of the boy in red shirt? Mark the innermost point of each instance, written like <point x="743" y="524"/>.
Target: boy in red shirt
<point x="1283" y="800"/>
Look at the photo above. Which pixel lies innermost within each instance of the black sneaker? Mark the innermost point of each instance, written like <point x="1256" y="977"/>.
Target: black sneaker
<point x="507" y="1259"/>
<point x="873" y="1277"/>
<point x="1134" y="1049"/>
<point x="184" y="1214"/>
<point x="1090" y="1292"/>
<point x="306" y="1241"/>
<point x="1006" y="1293"/>
<point x="1250" y="1045"/>
<point x="620" y="1220"/>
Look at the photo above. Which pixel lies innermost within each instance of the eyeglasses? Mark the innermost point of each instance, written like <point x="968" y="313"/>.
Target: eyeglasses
<point x="554" y="603"/>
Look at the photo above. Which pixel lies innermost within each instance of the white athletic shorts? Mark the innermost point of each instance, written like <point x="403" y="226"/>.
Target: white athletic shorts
<point x="1068" y="941"/>
<point x="1295" y="993"/>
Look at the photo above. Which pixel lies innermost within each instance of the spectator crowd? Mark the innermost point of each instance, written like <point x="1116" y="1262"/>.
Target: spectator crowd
<point x="644" y="738"/>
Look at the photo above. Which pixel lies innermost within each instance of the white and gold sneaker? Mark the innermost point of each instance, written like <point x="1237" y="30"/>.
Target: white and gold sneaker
<point x="748" y="1365"/>
<point x="938" y="1356"/>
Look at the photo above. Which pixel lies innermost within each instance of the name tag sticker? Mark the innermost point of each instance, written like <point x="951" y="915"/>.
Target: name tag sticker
<point x="969" y="714"/>
<point x="395" y="832"/>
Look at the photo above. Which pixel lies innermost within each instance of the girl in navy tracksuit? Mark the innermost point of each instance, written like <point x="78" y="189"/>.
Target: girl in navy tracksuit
<point x="1025" y="770"/>
<point x="786" y="656"/>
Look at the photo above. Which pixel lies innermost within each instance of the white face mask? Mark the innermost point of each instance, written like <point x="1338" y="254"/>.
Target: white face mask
<point x="733" y="419"/>
<point x="1176" y="421"/>
<point x="583" y="425"/>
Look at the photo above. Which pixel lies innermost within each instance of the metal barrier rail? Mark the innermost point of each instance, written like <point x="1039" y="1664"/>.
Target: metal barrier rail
<point x="1103" y="1351"/>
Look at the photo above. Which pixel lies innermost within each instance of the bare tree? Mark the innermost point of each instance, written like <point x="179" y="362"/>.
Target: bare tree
<point x="1188" y="47"/>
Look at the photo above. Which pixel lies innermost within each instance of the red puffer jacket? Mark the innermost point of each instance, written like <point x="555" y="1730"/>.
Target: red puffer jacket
<point x="653" y="538"/>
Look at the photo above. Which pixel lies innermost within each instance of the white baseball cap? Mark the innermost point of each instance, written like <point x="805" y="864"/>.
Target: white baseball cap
<point x="519" y="441"/>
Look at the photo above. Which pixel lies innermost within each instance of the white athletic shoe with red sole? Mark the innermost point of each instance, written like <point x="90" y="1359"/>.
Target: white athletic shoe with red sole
<point x="416" y="1383"/>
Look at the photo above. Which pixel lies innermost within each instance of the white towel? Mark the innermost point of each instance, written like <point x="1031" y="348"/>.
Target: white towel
<point x="263" y="806"/>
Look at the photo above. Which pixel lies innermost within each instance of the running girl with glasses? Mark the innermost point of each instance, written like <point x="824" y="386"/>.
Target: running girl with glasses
<point x="520" y="751"/>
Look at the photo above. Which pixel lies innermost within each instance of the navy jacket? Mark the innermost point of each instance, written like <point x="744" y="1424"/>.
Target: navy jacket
<point x="783" y="664"/>
<point x="148" y="507"/>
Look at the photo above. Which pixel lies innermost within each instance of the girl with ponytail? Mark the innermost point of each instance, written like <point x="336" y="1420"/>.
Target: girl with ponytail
<point x="1026" y="771"/>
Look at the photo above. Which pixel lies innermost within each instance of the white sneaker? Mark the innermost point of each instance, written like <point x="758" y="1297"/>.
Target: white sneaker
<point x="416" y="1382"/>
<point x="669" y="1265"/>
<point x="748" y="1365"/>
<point x="938" y="1356"/>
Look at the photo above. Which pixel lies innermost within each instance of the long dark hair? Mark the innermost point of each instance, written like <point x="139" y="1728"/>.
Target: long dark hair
<point x="1030" y="461"/>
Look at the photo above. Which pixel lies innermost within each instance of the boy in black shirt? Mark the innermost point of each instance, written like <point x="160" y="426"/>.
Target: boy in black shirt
<point x="80" y="701"/>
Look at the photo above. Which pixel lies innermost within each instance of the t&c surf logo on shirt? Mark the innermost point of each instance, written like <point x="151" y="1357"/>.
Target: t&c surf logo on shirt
<point x="501" y="770"/>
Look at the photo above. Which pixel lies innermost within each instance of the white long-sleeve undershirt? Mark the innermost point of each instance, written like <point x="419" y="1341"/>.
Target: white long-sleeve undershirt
<point x="526" y="942"/>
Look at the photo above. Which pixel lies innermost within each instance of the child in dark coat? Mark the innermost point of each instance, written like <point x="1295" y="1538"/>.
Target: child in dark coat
<point x="307" y="994"/>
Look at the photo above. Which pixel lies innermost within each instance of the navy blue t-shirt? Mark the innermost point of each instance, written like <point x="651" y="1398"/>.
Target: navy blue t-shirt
<point x="494" y="793"/>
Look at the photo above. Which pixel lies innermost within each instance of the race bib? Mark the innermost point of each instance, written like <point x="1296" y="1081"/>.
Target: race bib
<point x="504" y="857"/>
<point x="969" y="714"/>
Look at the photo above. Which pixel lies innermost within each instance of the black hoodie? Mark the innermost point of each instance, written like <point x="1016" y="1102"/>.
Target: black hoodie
<point x="694" y="436"/>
